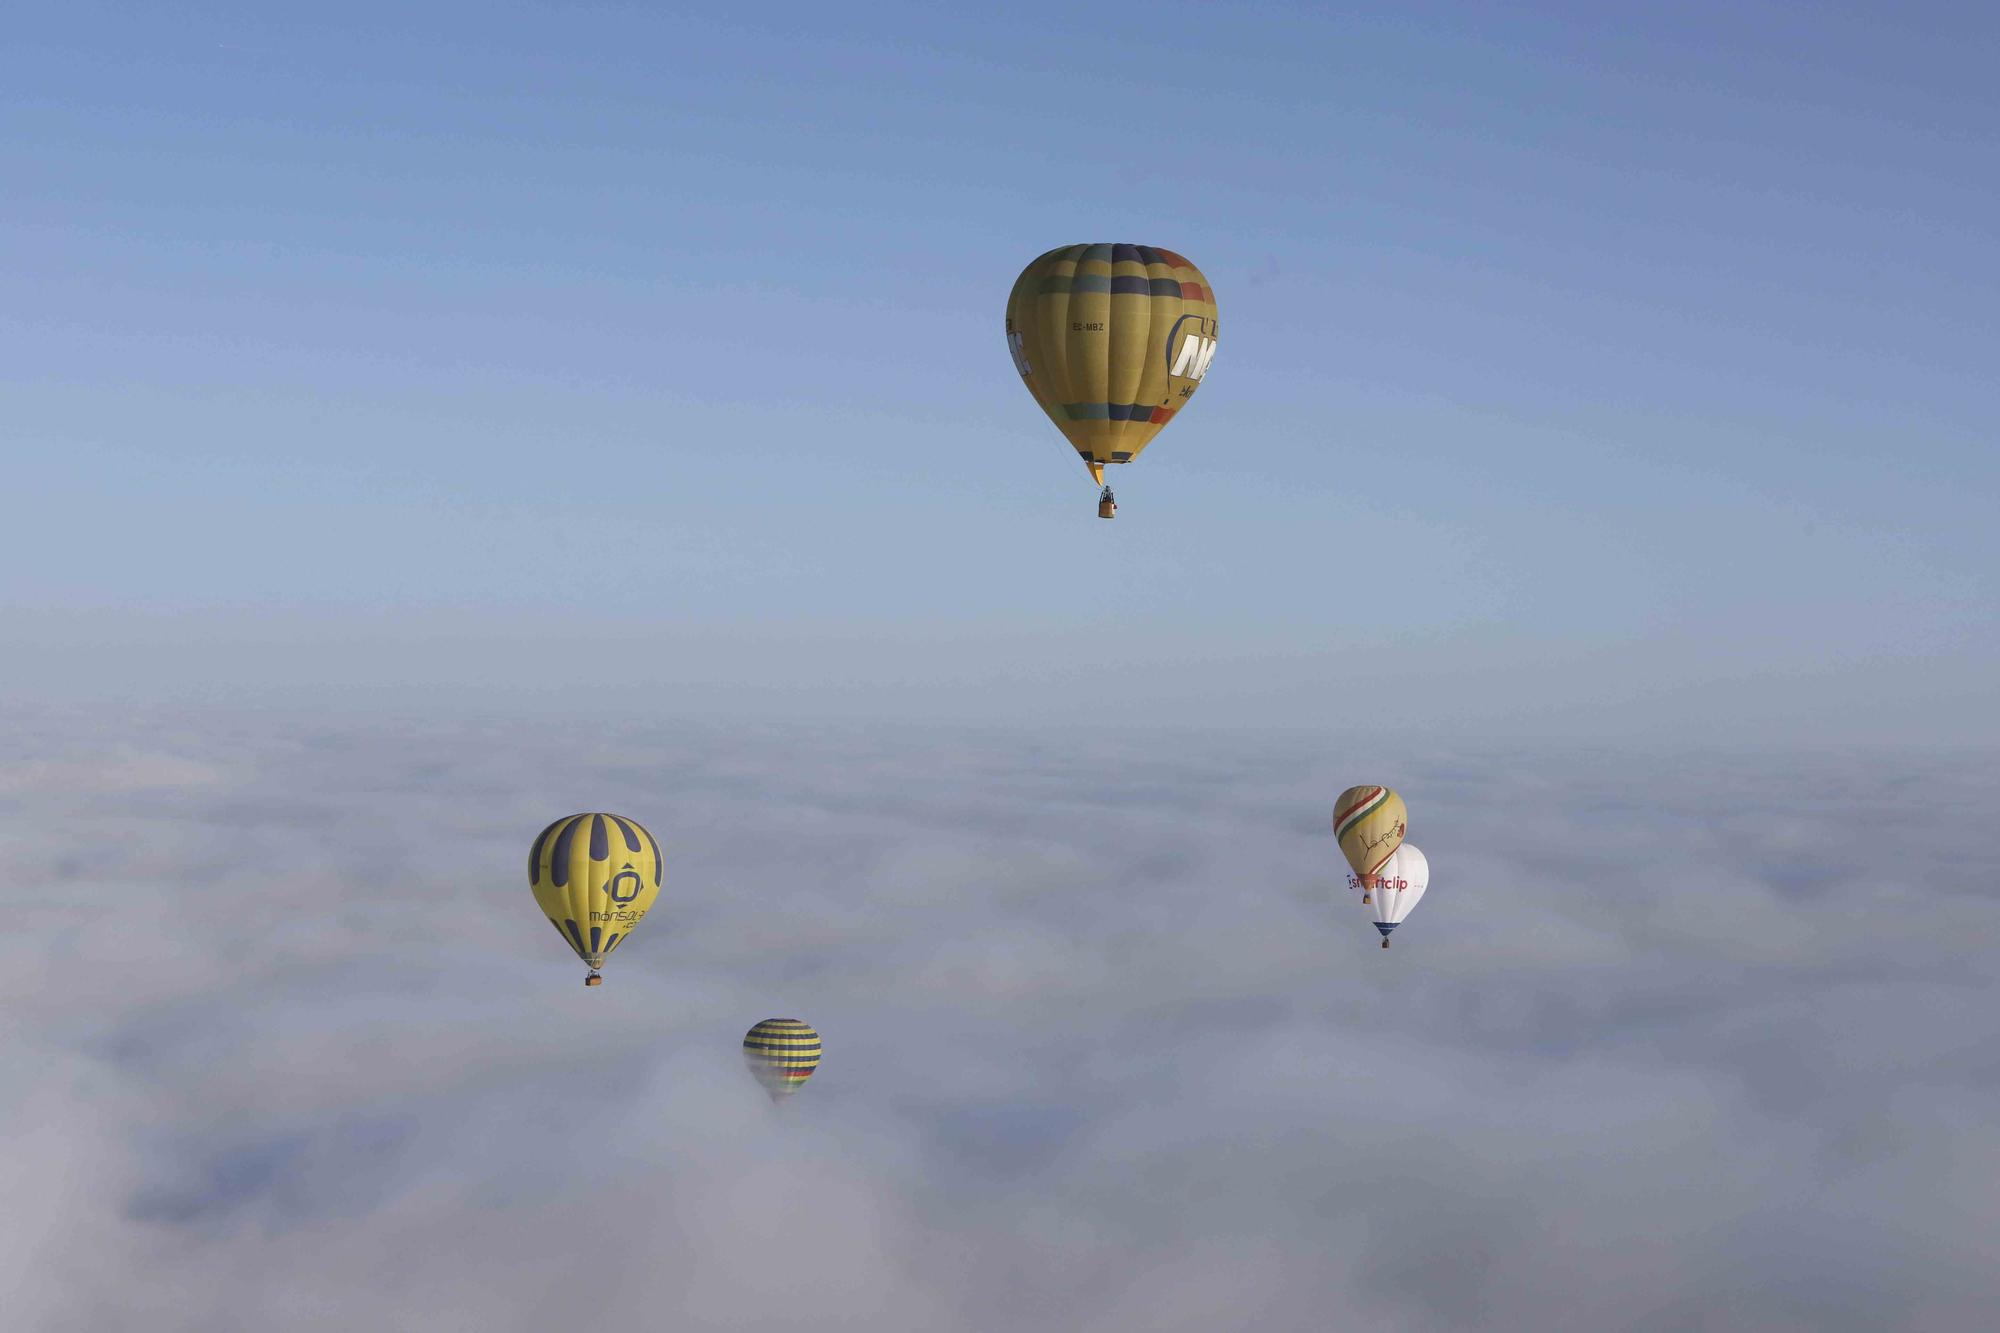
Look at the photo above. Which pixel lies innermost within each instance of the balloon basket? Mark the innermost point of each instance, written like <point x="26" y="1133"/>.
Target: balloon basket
<point x="593" y="980"/>
<point x="1107" y="507"/>
<point x="1385" y="941"/>
<point x="1366" y="900"/>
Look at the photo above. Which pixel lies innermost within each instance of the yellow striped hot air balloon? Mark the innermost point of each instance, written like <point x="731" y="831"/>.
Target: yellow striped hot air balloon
<point x="595" y="877"/>
<point x="1112" y="340"/>
<point x="1370" y="823"/>
<point x="782" y="1053"/>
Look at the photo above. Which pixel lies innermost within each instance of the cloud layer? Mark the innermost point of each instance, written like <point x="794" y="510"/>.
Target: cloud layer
<point x="1677" y="1041"/>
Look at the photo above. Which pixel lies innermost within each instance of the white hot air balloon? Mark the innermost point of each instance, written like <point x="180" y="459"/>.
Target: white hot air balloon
<point x="1404" y="877"/>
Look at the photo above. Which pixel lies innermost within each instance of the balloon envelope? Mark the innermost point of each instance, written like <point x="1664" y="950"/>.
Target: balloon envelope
<point x="1112" y="340"/>
<point x="1369" y="822"/>
<point x="782" y="1053"/>
<point x="595" y="877"/>
<point x="1405" y="876"/>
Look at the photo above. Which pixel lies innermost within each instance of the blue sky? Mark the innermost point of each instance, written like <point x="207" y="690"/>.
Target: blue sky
<point x="1637" y="363"/>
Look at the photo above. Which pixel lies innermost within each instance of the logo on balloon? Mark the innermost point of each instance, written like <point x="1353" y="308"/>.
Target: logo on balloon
<point x="1196" y="350"/>
<point x="1020" y="351"/>
<point x="624" y="886"/>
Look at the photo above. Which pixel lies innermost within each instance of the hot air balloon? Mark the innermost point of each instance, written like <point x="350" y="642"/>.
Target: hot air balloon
<point x="595" y="876"/>
<point x="1112" y="340"/>
<point x="782" y="1053"/>
<point x="1398" y="887"/>
<point x="1369" y="822"/>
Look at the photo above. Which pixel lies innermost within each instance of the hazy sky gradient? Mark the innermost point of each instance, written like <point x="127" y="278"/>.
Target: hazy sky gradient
<point x="422" y="422"/>
<point x="1607" y="372"/>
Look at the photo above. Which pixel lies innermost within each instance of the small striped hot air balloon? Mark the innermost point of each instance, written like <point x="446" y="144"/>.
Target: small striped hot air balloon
<point x="1112" y="340"/>
<point x="595" y="877"/>
<point x="1369" y="823"/>
<point x="782" y="1054"/>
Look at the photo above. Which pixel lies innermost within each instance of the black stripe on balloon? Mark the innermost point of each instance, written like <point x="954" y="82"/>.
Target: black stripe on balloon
<point x="535" y="855"/>
<point x="575" y="935"/>
<point x="659" y="862"/>
<point x="631" y="838"/>
<point x="597" y="939"/>
<point x="612" y="942"/>
<point x="559" y="854"/>
<point x="600" y="839"/>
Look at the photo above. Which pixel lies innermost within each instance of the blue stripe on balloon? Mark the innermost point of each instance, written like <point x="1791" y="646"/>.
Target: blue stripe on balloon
<point x="600" y="839"/>
<point x="535" y="855"/>
<point x="559" y="854"/>
<point x="575" y="935"/>
<point x="1106" y="412"/>
<point x="631" y="838"/>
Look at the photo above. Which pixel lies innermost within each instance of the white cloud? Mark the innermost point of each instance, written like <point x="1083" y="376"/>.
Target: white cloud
<point x="1677" y="1041"/>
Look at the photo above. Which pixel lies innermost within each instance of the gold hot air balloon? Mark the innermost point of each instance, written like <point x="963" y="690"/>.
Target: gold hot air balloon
<point x="595" y="876"/>
<point x="782" y="1054"/>
<point x="1112" y="340"/>
<point x="1370" y="823"/>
